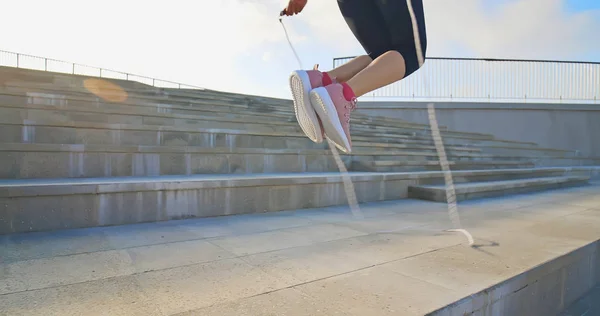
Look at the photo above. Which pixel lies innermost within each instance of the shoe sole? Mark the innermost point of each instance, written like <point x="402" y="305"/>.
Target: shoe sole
<point x="326" y="110"/>
<point x="305" y="113"/>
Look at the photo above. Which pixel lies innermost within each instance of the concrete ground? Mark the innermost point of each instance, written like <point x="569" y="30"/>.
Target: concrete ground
<point x="396" y="261"/>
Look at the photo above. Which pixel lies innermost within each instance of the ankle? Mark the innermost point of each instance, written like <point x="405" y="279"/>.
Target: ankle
<point x="326" y="79"/>
<point x="349" y="94"/>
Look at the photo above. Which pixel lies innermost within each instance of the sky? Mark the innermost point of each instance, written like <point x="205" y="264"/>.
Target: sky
<point x="240" y="46"/>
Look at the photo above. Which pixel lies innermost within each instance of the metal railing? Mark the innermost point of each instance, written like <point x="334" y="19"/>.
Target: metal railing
<point x="18" y="60"/>
<point x="495" y="80"/>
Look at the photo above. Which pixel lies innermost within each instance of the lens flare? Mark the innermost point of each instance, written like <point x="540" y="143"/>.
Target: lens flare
<point x="105" y="90"/>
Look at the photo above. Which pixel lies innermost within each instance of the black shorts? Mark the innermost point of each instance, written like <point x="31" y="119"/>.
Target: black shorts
<point x="384" y="25"/>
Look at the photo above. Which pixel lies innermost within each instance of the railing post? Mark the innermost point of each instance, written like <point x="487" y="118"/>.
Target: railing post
<point x="17" y="60"/>
<point x="153" y="82"/>
<point x="100" y="72"/>
<point x="45" y="64"/>
<point x="73" y="68"/>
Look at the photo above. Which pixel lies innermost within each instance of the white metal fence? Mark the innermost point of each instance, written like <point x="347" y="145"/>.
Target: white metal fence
<point x="10" y="59"/>
<point x="495" y="80"/>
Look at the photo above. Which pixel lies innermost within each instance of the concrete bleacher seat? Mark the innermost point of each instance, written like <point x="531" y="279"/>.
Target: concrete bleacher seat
<point x="62" y="131"/>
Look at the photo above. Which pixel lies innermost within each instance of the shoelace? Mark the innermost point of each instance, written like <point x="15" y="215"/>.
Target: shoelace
<point x="350" y="108"/>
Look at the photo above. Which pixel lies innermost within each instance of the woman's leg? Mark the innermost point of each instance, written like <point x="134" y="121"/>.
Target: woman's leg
<point x="388" y="35"/>
<point x="368" y="25"/>
<point x="386" y="69"/>
<point x="406" y="22"/>
<point x="302" y="82"/>
<point x="348" y="70"/>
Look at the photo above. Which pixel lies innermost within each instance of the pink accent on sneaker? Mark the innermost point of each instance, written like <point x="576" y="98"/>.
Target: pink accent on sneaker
<point x="334" y="111"/>
<point x="301" y="83"/>
<point x="316" y="78"/>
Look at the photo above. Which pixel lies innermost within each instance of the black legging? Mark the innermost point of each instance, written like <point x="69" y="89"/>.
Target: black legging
<point x="384" y="25"/>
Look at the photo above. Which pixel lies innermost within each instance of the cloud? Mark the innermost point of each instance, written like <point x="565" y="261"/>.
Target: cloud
<point x="529" y="29"/>
<point x="267" y="56"/>
<point x="197" y="42"/>
<point x="222" y="44"/>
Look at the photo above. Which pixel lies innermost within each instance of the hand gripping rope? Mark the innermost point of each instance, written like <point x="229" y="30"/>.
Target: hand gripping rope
<point x="437" y="139"/>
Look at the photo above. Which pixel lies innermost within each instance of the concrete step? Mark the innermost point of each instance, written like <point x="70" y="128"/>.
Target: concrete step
<point x="23" y="101"/>
<point x="285" y="103"/>
<point x="408" y="144"/>
<point x="163" y="104"/>
<point x="174" y="94"/>
<point x="35" y="160"/>
<point x="410" y="166"/>
<point x="381" y="122"/>
<point x="499" y="149"/>
<point x="55" y="204"/>
<point x="475" y="190"/>
<point x="53" y="94"/>
<point x="20" y="125"/>
<point x="80" y="132"/>
<point x="448" y="140"/>
<point x="76" y="86"/>
<point x="506" y="142"/>
<point x="453" y="163"/>
<point x="78" y="89"/>
<point x="419" y="132"/>
<point x="28" y="161"/>
<point x="487" y="175"/>
<point x="51" y="132"/>
<point x="190" y="109"/>
<point x="459" y="160"/>
<point x="494" y="147"/>
<point x="124" y="116"/>
<point x="401" y="156"/>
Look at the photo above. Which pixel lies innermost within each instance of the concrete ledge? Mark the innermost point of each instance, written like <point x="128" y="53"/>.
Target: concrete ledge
<point x="46" y="160"/>
<point x="24" y="188"/>
<point x="81" y="132"/>
<point x="433" y="164"/>
<point x="41" y="205"/>
<point x="468" y="191"/>
<point x="546" y="289"/>
<point x="108" y="148"/>
<point x="116" y="110"/>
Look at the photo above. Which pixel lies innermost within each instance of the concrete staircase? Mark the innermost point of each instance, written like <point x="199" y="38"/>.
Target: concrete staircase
<point x="82" y="152"/>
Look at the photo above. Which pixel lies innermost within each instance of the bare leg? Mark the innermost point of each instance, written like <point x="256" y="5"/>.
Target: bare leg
<point x="348" y="70"/>
<point x="386" y="69"/>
